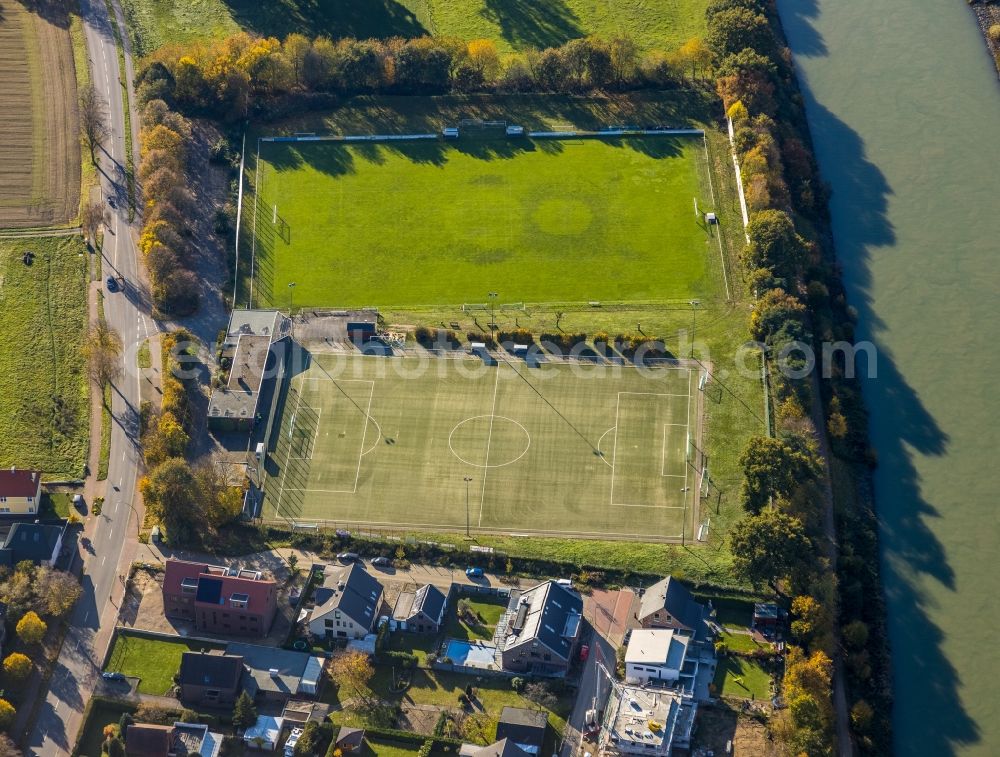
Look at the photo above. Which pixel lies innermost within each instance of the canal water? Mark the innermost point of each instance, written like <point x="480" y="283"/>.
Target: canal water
<point x="904" y="107"/>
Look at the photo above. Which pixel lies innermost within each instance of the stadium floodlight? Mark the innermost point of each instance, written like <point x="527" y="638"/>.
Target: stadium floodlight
<point x="493" y="320"/>
<point x="291" y="288"/>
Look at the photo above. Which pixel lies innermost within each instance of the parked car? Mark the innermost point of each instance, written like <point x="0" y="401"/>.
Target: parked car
<point x="113" y="676"/>
<point x="382" y="562"/>
<point x="112" y="283"/>
<point x="473" y="572"/>
<point x="348" y="556"/>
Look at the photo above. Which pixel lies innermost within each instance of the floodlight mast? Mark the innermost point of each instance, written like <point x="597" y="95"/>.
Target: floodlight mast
<point x="291" y="288"/>
<point x="468" y="480"/>
<point x="493" y="319"/>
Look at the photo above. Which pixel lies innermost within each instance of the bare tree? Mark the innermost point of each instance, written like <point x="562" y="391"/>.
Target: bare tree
<point x="93" y="120"/>
<point x="93" y="215"/>
<point x="103" y="349"/>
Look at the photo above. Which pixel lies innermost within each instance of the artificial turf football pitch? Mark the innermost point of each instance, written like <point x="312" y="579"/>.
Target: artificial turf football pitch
<point x="444" y="222"/>
<point x="550" y="448"/>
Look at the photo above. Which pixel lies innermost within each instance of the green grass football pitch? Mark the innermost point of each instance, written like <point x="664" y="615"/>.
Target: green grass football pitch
<point x="551" y="449"/>
<point x="436" y="223"/>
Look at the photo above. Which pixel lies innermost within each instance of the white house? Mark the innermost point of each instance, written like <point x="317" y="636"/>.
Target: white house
<point x="347" y="603"/>
<point x="655" y="655"/>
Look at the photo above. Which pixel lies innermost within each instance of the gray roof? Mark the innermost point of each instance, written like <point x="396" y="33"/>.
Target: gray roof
<point x="525" y="727"/>
<point x="350" y="589"/>
<point x="30" y="541"/>
<point x="259" y="661"/>
<point x="428" y="600"/>
<point x="549" y="614"/>
<point x="213" y="670"/>
<point x="671" y="595"/>
<point x="501" y="748"/>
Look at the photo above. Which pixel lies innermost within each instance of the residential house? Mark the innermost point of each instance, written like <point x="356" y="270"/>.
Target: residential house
<point x="210" y="680"/>
<point x="665" y="657"/>
<point x="541" y="630"/>
<point x="668" y="604"/>
<point x="422" y="610"/>
<point x="525" y="728"/>
<point x="219" y="600"/>
<point x="501" y="748"/>
<point x="649" y="722"/>
<point x="273" y="674"/>
<point x="148" y="740"/>
<point x="20" y="491"/>
<point x="347" y="603"/>
<point x="39" y="543"/>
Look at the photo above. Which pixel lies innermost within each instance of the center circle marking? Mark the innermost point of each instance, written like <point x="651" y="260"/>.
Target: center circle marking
<point x="486" y="419"/>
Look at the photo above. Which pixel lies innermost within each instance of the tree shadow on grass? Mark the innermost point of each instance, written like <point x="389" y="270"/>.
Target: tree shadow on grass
<point x="533" y="23"/>
<point x="361" y="19"/>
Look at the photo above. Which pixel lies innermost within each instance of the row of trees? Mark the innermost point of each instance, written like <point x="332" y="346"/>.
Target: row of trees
<point x="35" y="597"/>
<point x="191" y="502"/>
<point x="228" y="76"/>
<point x="165" y="239"/>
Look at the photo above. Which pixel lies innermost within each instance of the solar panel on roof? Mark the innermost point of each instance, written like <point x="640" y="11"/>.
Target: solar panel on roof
<point x="209" y="591"/>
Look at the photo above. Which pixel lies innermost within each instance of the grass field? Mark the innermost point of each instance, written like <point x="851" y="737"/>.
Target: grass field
<point x="489" y="613"/>
<point x="513" y="24"/>
<point x="552" y="449"/>
<point x="743" y="678"/>
<point x="40" y="150"/>
<point x="44" y="419"/>
<point x="153" y="661"/>
<point x="443" y="223"/>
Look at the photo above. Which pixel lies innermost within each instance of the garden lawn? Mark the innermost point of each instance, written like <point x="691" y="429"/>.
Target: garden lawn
<point x="153" y="661"/>
<point x="417" y="644"/>
<point x="102" y="712"/>
<point x="512" y="24"/>
<point x="742" y="678"/>
<point x="44" y="418"/>
<point x="375" y="746"/>
<point x="434" y="222"/>
<point x="742" y="642"/>
<point x="488" y="612"/>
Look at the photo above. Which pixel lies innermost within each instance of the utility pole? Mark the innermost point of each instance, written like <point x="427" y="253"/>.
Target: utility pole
<point x="468" y="480"/>
<point x="291" y="289"/>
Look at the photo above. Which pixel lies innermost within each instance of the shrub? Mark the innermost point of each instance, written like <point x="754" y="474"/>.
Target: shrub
<point x="17" y="667"/>
<point x="475" y="336"/>
<point x="994" y="34"/>
<point x="31" y="629"/>
<point x="517" y="336"/>
<point x="517" y="683"/>
<point x="7" y="712"/>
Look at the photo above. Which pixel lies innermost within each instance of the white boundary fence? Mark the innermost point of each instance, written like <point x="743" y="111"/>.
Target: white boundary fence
<point x="611" y="131"/>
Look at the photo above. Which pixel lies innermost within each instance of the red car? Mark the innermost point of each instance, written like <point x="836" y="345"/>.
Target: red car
<point x="584" y="653"/>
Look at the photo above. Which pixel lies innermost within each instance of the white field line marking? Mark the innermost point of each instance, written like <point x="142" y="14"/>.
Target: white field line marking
<point x="718" y="232"/>
<point x="614" y="453"/>
<point x="489" y="441"/>
<point x="658" y="394"/>
<point x="653" y="507"/>
<point x="687" y="446"/>
<point x="253" y="230"/>
<point x="364" y="433"/>
<point x="284" y="470"/>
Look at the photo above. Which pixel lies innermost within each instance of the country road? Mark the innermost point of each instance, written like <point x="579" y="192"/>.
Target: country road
<point x="112" y="534"/>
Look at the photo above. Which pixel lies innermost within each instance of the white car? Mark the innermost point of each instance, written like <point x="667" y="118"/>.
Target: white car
<point x="293" y="739"/>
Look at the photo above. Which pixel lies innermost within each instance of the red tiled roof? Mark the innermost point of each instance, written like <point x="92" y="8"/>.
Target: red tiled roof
<point x="16" y="482"/>
<point x="258" y="591"/>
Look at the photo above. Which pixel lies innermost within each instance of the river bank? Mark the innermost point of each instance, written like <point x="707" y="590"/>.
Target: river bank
<point x="988" y="16"/>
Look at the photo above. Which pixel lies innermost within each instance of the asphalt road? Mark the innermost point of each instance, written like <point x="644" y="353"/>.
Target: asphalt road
<point x="590" y="678"/>
<point x="78" y="667"/>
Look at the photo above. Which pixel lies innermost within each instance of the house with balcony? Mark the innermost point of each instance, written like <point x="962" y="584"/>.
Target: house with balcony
<point x="219" y="600"/>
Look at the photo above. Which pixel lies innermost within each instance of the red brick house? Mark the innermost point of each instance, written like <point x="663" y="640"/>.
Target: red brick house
<point x="219" y="600"/>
